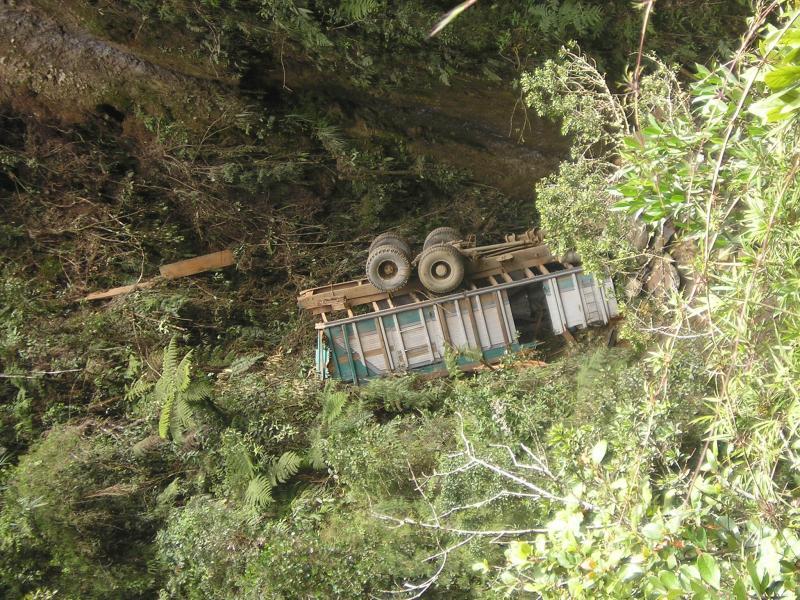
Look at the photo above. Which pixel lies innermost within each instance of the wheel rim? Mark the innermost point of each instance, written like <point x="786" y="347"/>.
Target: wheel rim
<point x="387" y="269"/>
<point x="441" y="269"/>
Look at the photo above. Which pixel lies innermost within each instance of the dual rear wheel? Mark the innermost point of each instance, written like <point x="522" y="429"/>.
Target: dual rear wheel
<point x="440" y="266"/>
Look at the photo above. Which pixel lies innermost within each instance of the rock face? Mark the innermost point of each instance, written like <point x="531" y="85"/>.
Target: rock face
<point x="470" y="125"/>
<point x="663" y="278"/>
<point x="659" y="273"/>
<point x="68" y="65"/>
<point x="640" y="236"/>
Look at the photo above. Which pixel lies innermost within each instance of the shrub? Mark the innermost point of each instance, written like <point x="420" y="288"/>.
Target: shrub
<point x="74" y="518"/>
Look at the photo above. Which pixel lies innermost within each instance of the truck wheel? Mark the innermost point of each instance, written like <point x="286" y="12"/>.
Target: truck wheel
<point x="391" y="239"/>
<point x="441" y="235"/>
<point x="441" y="268"/>
<point x="388" y="269"/>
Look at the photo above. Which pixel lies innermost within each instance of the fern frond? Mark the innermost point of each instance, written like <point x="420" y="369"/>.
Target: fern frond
<point x="559" y="16"/>
<point x="200" y="389"/>
<point x="170" y="360"/>
<point x="332" y="405"/>
<point x="284" y="467"/>
<point x="183" y="413"/>
<point x="183" y="371"/>
<point x="239" y="464"/>
<point x="355" y="10"/>
<point x="259" y="492"/>
<point x="314" y="455"/>
<point x="165" y="420"/>
<point x="243" y="363"/>
<point x="139" y="389"/>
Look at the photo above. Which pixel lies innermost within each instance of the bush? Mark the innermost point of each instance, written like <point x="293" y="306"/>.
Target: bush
<point x="74" y="518"/>
<point x="205" y="549"/>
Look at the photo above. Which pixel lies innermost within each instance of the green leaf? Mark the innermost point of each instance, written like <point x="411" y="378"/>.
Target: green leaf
<point x="739" y="590"/>
<point x="508" y="578"/>
<point x="669" y="580"/>
<point x="481" y="567"/>
<point x="709" y="571"/>
<point x="632" y="571"/>
<point x="755" y="577"/>
<point x="259" y="492"/>
<point x="653" y="531"/>
<point x="782" y="77"/>
<point x="599" y="451"/>
<point x="518" y="553"/>
<point x="165" y="419"/>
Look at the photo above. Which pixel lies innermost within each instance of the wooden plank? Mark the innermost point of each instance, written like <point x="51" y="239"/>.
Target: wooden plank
<point x="501" y="312"/>
<point x="384" y="344"/>
<point x="198" y="264"/>
<point x="473" y="324"/>
<point x="118" y="291"/>
<point x="441" y="319"/>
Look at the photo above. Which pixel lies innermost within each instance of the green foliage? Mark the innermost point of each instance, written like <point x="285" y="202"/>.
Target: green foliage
<point x="566" y="18"/>
<point x="203" y="548"/>
<point x="355" y="10"/>
<point x="569" y="89"/>
<point x="224" y="158"/>
<point x="398" y="395"/>
<point x="379" y="459"/>
<point x="782" y="77"/>
<point x="74" y="518"/>
<point x="174" y="392"/>
<point x="574" y="203"/>
<point x="709" y="526"/>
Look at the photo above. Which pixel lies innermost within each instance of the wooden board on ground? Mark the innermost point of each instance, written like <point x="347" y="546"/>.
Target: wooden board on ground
<point x="182" y="268"/>
<point x="198" y="264"/>
<point x="118" y="291"/>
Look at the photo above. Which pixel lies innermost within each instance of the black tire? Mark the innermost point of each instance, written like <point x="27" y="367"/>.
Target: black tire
<point x="441" y="268"/>
<point x="441" y="235"/>
<point x="391" y="239"/>
<point x="388" y="269"/>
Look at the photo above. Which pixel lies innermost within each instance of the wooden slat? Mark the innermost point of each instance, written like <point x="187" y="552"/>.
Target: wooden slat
<point x="118" y="291"/>
<point x="473" y="324"/>
<point x="198" y="264"/>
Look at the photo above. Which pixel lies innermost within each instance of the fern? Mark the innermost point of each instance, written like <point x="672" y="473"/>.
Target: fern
<point x="558" y="17"/>
<point x="200" y="389"/>
<point x="259" y="488"/>
<point x="243" y="363"/>
<point x="283" y="468"/>
<point x="314" y="455"/>
<point x="356" y="10"/>
<point x="174" y="391"/>
<point x="332" y="404"/>
<point x="239" y="465"/>
<point x="259" y="492"/>
<point x="140" y="389"/>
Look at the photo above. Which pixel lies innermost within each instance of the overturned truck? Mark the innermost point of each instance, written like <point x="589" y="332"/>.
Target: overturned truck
<point x="481" y="302"/>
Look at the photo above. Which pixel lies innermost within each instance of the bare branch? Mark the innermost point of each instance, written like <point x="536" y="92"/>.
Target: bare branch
<point x="457" y="530"/>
